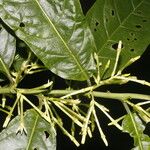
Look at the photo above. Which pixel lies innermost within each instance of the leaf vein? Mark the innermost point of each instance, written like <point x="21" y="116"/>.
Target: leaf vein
<point x="32" y="133"/>
<point x="120" y="25"/>
<point x="73" y="56"/>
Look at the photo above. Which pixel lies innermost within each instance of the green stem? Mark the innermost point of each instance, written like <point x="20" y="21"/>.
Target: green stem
<point x="11" y="90"/>
<point x="117" y="96"/>
<point x="31" y="91"/>
<point x="121" y="96"/>
<point x="6" y="70"/>
<point x="37" y="90"/>
<point x="10" y="113"/>
<point x="6" y="90"/>
<point x="24" y="65"/>
<point x="66" y="93"/>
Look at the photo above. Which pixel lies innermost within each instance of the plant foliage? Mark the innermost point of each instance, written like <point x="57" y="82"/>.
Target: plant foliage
<point x="133" y="124"/>
<point x="7" y="50"/>
<point x="55" y="35"/>
<point x="127" y="20"/>
<point x="38" y="134"/>
<point x="56" y="32"/>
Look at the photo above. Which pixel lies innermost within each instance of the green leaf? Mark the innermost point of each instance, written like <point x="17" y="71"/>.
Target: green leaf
<point x="7" y="50"/>
<point x="125" y="20"/>
<point x="133" y="125"/>
<point x="40" y="134"/>
<point x="7" y="46"/>
<point x="56" y="31"/>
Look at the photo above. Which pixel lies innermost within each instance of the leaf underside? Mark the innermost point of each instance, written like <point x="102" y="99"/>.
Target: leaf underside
<point x="114" y="20"/>
<point x="40" y="134"/>
<point x="56" y="32"/>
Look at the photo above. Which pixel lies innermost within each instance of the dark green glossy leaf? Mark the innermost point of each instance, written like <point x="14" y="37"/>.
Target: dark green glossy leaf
<point x="40" y="134"/>
<point x="133" y="125"/>
<point x="7" y="50"/>
<point x="55" y="31"/>
<point x="114" y="20"/>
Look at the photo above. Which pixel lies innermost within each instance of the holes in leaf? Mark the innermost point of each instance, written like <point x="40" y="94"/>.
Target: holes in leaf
<point x="112" y="12"/>
<point x="106" y="19"/>
<point x="43" y="109"/>
<point x="35" y="148"/>
<point x="132" y="34"/>
<point x="132" y="50"/>
<point x="96" y="23"/>
<point x="95" y="29"/>
<point x="22" y="25"/>
<point x="138" y="26"/>
<point x="135" y="39"/>
<point x="0" y="28"/>
<point x="86" y="6"/>
<point x="115" y="46"/>
<point x="144" y="20"/>
<point x="46" y="134"/>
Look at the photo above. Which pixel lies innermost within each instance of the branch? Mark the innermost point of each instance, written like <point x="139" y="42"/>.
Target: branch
<point x="6" y="90"/>
<point x="108" y="95"/>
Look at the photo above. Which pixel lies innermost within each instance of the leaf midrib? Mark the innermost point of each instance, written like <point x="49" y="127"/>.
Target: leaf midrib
<point x="70" y="52"/>
<point x="32" y="132"/>
<point x="136" y="131"/>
